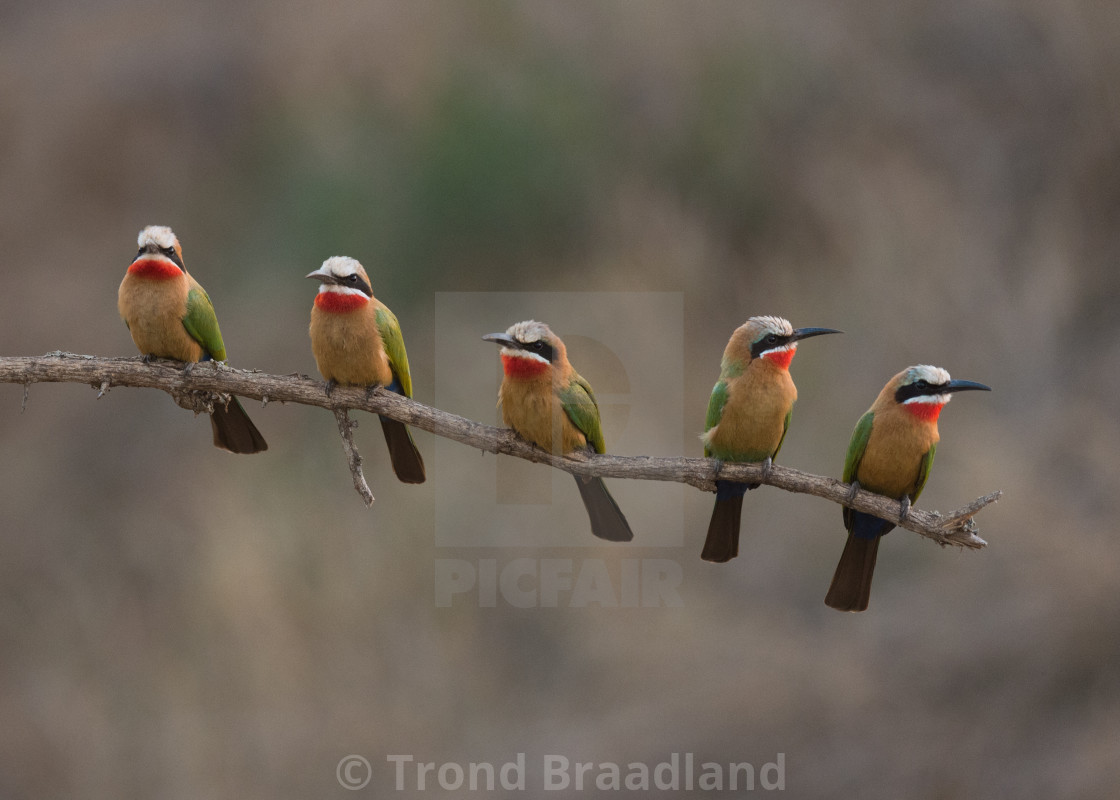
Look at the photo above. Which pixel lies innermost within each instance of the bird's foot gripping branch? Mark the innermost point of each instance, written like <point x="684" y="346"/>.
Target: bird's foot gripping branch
<point x="956" y="528"/>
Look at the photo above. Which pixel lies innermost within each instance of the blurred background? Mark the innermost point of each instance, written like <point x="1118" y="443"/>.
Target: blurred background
<point x="941" y="180"/>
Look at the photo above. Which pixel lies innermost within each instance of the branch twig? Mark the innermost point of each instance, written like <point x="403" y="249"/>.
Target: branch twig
<point x="346" y="431"/>
<point x="957" y="527"/>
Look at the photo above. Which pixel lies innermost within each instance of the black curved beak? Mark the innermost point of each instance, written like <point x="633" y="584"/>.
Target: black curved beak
<point x="964" y="386"/>
<point x="502" y="339"/>
<point x="321" y="275"/>
<point x="806" y="333"/>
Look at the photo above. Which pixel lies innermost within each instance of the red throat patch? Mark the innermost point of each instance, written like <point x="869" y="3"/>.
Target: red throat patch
<point x="339" y="302"/>
<point x="926" y="412"/>
<point x="780" y="358"/>
<point x="159" y="269"/>
<point x="521" y="367"/>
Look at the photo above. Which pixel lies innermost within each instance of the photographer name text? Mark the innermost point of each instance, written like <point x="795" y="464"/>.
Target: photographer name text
<point x="558" y="773"/>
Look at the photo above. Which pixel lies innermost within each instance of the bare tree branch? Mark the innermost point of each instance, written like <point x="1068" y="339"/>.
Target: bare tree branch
<point x="957" y="528"/>
<point x="346" y="431"/>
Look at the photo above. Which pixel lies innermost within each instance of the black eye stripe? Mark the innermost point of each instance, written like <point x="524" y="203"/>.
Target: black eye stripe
<point x="917" y="389"/>
<point x="167" y="252"/>
<point x="541" y="348"/>
<point x="768" y="342"/>
<point x="355" y="280"/>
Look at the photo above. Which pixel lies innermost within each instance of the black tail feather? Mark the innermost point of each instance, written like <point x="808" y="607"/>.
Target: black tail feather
<point x="234" y="431"/>
<point x="607" y="519"/>
<point x="407" y="462"/>
<point x="851" y="585"/>
<point x="722" y="542"/>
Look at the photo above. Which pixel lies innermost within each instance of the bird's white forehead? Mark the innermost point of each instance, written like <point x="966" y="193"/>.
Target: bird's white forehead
<point x="341" y="266"/>
<point x="776" y="325"/>
<point x="159" y="235"/>
<point x="529" y="331"/>
<point x="927" y="373"/>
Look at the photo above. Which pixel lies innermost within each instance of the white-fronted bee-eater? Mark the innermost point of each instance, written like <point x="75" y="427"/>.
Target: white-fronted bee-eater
<point x="547" y="403"/>
<point x="748" y="416"/>
<point x="357" y="341"/>
<point x="170" y="316"/>
<point x="891" y="454"/>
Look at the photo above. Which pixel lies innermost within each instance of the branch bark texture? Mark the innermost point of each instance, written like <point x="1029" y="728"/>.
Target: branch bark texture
<point x="195" y="390"/>
<point x="353" y="459"/>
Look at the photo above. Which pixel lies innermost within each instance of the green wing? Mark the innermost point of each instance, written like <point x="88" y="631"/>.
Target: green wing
<point x="857" y="446"/>
<point x="785" y="430"/>
<point x="391" y="338"/>
<point x="715" y="405"/>
<point x="715" y="410"/>
<point x="579" y="404"/>
<point x="202" y="323"/>
<point x="923" y="472"/>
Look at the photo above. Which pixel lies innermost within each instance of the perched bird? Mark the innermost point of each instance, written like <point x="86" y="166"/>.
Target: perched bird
<point x="357" y="341"/>
<point x="170" y="316"/>
<point x="539" y="383"/>
<point x="748" y="416"/>
<point x="891" y="454"/>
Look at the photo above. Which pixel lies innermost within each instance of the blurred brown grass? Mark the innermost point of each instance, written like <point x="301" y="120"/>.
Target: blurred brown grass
<point x="937" y="179"/>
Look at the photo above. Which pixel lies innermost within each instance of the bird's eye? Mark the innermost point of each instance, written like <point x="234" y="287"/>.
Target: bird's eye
<point x="922" y="384"/>
<point x="140" y="252"/>
<point x="352" y="278"/>
<point x="168" y="251"/>
<point x="771" y="338"/>
<point x="538" y="346"/>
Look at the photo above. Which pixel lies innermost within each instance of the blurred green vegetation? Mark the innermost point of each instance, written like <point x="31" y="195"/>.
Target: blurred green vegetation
<point x="484" y="180"/>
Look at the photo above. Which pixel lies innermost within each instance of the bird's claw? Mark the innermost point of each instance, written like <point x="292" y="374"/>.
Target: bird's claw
<point x="852" y="492"/>
<point x="767" y="467"/>
<point x="328" y="387"/>
<point x="188" y="369"/>
<point x="903" y="508"/>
